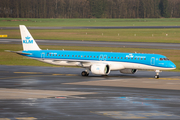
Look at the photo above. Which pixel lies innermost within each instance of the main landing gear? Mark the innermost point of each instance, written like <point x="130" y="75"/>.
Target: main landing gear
<point x="157" y="74"/>
<point x="85" y="73"/>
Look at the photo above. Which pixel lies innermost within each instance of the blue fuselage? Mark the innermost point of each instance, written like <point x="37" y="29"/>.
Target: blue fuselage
<point x="155" y="60"/>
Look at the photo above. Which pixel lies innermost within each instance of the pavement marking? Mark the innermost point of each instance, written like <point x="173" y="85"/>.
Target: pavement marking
<point x="119" y="115"/>
<point x="66" y="74"/>
<point x="22" y="76"/>
<point x="5" y="119"/>
<point x="3" y="35"/>
<point x="58" y="74"/>
<point x="14" y="77"/>
<point x="29" y="72"/>
<point x="167" y="78"/>
<point x="26" y="118"/>
<point x="42" y="74"/>
<point x="33" y="94"/>
<point x="136" y="114"/>
<point x="72" y="75"/>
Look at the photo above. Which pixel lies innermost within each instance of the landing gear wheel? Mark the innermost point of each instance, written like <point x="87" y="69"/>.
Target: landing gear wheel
<point x="84" y="73"/>
<point x="156" y="76"/>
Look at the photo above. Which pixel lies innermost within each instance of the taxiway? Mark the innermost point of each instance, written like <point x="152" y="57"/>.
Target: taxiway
<point x="175" y="46"/>
<point x="30" y="93"/>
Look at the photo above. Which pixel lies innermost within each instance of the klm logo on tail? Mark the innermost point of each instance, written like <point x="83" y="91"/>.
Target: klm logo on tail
<point x="28" y="41"/>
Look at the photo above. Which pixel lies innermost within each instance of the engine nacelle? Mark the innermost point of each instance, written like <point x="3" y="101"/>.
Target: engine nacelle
<point x="100" y="69"/>
<point x="128" y="71"/>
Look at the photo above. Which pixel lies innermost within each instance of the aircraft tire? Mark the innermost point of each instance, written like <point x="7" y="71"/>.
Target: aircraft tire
<point x="156" y="76"/>
<point x="84" y="73"/>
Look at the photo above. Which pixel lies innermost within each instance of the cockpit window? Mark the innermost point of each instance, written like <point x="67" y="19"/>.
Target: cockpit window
<point x="163" y="59"/>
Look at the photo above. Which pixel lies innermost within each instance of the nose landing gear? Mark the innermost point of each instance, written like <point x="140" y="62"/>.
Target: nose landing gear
<point x="157" y="74"/>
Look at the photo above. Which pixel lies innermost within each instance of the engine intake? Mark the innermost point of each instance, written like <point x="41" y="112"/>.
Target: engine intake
<point x="128" y="71"/>
<point x="100" y="69"/>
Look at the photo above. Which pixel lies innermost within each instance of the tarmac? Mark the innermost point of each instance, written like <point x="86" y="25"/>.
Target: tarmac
<point x="46" y="93"/>
<point x="174" y="46"/>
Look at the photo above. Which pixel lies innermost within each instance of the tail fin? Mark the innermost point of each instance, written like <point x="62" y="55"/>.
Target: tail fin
<point x="28" y="41"/>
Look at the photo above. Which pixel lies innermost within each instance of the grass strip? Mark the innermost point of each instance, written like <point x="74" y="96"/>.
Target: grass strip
<point x="45" y="22"/>
<point x="123" y="35"/>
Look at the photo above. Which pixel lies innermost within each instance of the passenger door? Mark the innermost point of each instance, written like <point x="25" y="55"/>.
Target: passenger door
<point x="42" y="56"/>
<point x="153" y="61"/>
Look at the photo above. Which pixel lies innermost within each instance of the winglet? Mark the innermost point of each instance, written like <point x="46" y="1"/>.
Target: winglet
<point x="28" y="41"/>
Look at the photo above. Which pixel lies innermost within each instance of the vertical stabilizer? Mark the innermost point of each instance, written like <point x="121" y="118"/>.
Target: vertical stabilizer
<point x="28" y="41"/>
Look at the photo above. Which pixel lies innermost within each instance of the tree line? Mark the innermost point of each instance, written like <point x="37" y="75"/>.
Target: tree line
<point x="89" y="8"/>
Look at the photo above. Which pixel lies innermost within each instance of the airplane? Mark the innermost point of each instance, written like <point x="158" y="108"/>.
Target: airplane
<point x="99" y="63"/>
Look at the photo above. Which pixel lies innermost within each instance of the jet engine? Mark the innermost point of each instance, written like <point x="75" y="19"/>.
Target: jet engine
<point x="100" y="69"/>
<point x="128" y="71"/>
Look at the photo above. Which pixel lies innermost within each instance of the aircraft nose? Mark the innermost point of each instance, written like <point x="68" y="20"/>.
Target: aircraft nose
<point x="172" y="65"/>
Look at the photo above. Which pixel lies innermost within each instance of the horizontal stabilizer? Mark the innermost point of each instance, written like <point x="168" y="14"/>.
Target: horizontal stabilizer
<point x="18" y="52"/>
